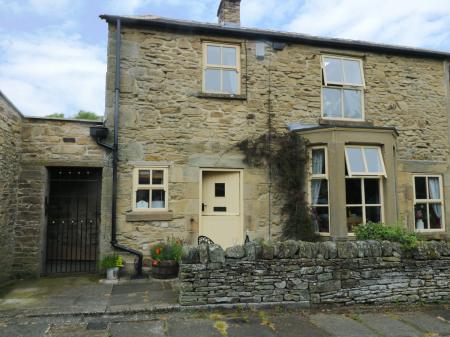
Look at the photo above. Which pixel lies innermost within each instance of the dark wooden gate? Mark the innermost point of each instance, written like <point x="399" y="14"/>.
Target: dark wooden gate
<point x="73" y="214"/>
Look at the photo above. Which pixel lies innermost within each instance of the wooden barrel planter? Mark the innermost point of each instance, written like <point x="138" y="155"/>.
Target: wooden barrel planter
<point x="165" y="269"/>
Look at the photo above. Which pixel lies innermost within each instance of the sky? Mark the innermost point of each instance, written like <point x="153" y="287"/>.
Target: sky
<point x="53" y="52"/>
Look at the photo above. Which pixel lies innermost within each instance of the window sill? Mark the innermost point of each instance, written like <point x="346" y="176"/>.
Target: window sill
<point x="339" y="122"/>
<point x="221" y="96"/>
<point x="149" y="216"/>
<point x="440" y="234"/>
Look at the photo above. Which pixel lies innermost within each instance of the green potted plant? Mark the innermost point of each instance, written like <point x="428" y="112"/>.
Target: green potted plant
<point x="165" y="258"/>
<point x="112" y="263"/>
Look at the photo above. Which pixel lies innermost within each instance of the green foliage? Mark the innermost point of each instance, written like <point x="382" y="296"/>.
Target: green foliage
<point x="394" y="233"/>
<point x="55" y="115"/>
<point x="287" y="155"/>
<point x="87" y="115"/>
<point x="112" y="261"/>
<point x="92" y="116"/>
<point x="166" y="251"/>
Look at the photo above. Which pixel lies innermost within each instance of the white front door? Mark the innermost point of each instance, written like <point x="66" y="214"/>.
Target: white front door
<point x="221" y="214"/>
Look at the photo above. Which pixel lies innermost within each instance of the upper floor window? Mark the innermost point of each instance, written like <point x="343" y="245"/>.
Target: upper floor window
<point x="150" y="189"/>
<point x="342" y="92"/>
<point x="221" y="68"/>
<point x="428" y="203"/>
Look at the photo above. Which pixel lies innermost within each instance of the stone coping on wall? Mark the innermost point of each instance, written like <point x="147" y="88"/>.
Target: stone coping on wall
<point x="323" y="273"/>
<point x="326" y="250"/>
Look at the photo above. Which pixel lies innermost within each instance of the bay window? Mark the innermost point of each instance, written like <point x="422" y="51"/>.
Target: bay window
<point x="318" y="189"/>
<point x="428" y="203"/>
<point x="363" y="185"/>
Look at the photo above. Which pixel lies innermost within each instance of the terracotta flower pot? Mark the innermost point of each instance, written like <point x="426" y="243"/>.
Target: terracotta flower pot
<point x="165" y="269"/>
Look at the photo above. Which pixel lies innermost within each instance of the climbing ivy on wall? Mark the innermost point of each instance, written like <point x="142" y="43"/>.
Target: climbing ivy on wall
<point x="286" y="157"/>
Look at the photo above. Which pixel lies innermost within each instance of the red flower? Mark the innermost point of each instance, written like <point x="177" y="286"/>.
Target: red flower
<point x="154" y="263"/>
<point x="158" y="251"/>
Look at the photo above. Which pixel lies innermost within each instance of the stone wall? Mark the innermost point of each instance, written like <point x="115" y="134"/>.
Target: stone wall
<point x="165" y="119"/>
<point x="44" y="145"/>
<point x="344" y="273"/>
<point x="10" y="142"/>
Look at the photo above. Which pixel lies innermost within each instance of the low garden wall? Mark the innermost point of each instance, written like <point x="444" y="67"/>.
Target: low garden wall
<point x="352" y="272"/>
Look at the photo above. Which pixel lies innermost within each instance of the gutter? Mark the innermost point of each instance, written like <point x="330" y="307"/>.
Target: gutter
<point x="115" y="154"/>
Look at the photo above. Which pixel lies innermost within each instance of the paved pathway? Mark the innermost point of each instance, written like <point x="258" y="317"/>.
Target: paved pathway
<point x="432" y="322"/>
<point x="45" y="307"/>
<point x="70" y="295"/>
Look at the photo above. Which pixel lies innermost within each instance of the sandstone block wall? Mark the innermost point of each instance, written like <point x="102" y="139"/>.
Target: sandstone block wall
<point x="163" y="118"/>
<point x="43" y="146"/>
<point x="313" y="274"/>
<point x="10" y="142"/>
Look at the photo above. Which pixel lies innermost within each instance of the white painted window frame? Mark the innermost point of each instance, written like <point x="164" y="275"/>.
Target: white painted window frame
<point x="319" y="177"/>
<point x="342" y="86"/>
<point x="428" y="202"/>
<point x="366" y="172"/>
<point x="221" y="67"/>
<point x="150" y="187"/>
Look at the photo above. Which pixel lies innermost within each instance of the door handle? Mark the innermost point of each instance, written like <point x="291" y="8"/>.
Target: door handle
<point x="203" y="207"/>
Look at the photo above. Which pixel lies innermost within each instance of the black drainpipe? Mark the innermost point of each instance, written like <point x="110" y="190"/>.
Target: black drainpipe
<point x="115" y="152"/>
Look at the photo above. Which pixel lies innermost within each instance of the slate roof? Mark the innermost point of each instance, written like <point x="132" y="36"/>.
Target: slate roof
<point x="187" y="26"/>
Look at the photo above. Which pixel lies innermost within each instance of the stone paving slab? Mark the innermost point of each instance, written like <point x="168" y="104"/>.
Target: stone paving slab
<point x="73" y="330"/>
<point x="427" y="323"/>
<point x="441" y="314"/>
<point x="252" y="329"/>
<point x="165" y="296"/>
<point x="130" y="298"/>
<point x="192" y="328"/>
<point x="295" y="325"/>
<point x="389" y="325"/>
<point x="138" y="329"/>
<point x="151" y="286"/>
<point x="341" y="326"/>
<point x="23" y="330"/>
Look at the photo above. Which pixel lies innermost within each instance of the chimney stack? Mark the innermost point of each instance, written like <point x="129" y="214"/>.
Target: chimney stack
<point x="229" y="12"/>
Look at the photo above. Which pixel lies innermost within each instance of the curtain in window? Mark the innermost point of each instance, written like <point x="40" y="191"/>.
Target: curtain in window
<point x="433" y="187"/>
<point x="318" y="158"/>
<point x="315" y="186"/>
<point x="230" y="81"/>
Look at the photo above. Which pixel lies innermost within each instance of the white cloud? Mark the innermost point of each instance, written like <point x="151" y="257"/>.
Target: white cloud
<point x="44" y="7"/>
<point x="51" y="72"/>
<point x="41" y="7"/>
<point x="266" y="12"/>
<point x="125" y="7"/>
<point x="406" y="22"/>
<point x="132" y="6"/>
<point x="187" y="9"/>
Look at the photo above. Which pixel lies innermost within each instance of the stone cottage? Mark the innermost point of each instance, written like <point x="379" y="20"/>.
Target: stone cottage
<point x="180" y="95"/>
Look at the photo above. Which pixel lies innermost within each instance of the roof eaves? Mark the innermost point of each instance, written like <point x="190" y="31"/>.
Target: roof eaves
<point x="200" y="27"/>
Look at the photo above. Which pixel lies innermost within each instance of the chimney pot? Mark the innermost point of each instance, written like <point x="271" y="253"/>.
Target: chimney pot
<point x="229" y="12"/>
